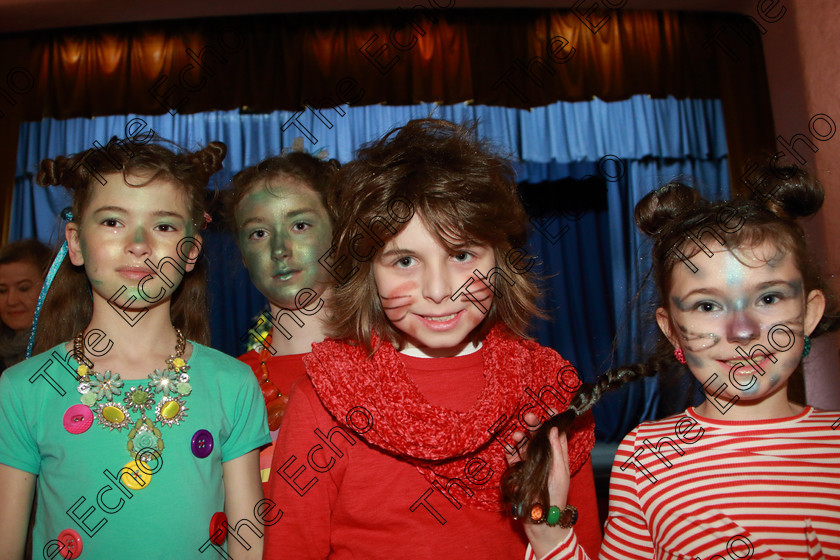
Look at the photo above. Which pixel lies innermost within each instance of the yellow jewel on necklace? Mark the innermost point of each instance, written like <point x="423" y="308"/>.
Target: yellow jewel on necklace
<point x="113" y="416"/>
<point x="167" y="387"/>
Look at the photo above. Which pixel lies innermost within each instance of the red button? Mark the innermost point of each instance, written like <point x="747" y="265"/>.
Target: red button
<point x="218" y="528"/>
<point x="70" y="542"/>
<point x="78" y="418"/>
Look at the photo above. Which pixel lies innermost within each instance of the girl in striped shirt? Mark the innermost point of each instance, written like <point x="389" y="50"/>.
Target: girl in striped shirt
<point x="749" y="473"/>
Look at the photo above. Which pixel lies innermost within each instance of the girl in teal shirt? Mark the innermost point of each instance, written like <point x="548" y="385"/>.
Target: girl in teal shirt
<point x="141" y="441"/>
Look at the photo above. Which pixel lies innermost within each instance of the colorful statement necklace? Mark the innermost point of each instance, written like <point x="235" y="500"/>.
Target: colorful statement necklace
<point x="275" y="401"/>
<point x="163" y="394"/>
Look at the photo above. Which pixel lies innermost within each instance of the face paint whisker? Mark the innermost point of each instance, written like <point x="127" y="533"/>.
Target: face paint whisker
<point x="389" y="298"/>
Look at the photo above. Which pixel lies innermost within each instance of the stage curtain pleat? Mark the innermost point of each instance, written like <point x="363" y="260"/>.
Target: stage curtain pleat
<point x="289" y="62"/>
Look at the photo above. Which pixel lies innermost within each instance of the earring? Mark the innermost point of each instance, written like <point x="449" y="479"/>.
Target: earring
<point x="807" y="348"/>
<point x="679" y="355"/>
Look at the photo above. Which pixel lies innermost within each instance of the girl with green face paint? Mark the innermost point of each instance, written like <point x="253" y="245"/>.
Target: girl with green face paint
<point x="282" y="227"/>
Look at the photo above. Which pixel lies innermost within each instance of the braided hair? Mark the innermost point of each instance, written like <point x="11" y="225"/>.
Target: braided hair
<point x="672" y="216"/>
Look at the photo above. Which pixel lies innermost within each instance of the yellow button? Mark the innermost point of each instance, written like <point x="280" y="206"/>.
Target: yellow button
<point x="136" y="474"/>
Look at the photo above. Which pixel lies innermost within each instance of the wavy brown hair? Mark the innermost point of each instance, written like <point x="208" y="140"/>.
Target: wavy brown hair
<point x="674" y="216"/>
<point x="462" y="189"/>
<point x="68" y="308"/>
<point x="302" y="166"/>
<point x="27" y="250"/>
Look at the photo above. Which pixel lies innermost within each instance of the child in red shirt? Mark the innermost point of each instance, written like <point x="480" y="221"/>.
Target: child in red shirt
<point x="394" y="445"/>
<point x="282" y="226"/>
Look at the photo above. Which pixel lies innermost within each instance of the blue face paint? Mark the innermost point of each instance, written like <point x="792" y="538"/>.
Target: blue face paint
<point x="734" y="272"/>
<point x="692" y="360"/>
<point x="753" y="390"/>
<point x="679" y="304"/>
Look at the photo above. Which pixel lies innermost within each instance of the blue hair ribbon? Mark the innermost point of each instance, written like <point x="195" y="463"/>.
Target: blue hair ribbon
<point x="56" y="264"/>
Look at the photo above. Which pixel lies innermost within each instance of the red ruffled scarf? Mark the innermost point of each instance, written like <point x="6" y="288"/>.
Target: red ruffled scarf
<point x="440" y="441"/>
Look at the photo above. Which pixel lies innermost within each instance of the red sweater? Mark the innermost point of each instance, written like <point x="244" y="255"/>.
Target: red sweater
<point x="347" y="499"/>
<point x="282" y="371"/>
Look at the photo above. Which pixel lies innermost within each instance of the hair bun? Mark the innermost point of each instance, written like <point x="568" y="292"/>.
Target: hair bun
<point x="50" y="172"/>
<point x="660" y="207"/>
<point x="212" y="156"/>
<point x="792" y="191"/>
<point x="207" y="160"/>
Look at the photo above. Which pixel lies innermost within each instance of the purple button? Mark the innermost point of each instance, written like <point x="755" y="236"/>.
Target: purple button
<point x="202" y="444"/>
<point x="77" y="419"/>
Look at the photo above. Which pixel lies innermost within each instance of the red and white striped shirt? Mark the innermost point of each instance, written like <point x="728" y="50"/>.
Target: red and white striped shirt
<point x="692" y="488"/>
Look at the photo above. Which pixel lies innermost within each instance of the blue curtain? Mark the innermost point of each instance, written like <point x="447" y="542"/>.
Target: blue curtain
<point x="591" y="272"/>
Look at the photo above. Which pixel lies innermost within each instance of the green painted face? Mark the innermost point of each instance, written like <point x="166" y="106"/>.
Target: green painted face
<point x="282" y="229"/>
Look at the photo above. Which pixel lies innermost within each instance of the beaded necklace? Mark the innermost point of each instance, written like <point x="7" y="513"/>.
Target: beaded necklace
<point x="275" y="401"/>
<point x="172" y="384"/>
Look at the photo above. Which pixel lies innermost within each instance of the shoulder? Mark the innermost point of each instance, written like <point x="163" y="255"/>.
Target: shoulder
<point x="821" y="417"/>
<point x="663" y="426"/>
<point x="209" y="359"/>
<point x="251" y="358"/>
<point x="332" y="356"/>
<point x="305" y="407"/>
<point x="680" y="426"/>
<point x="341" y="348"/>
<point x="541" y="356"/>
<point x="546" y="365"/>
<point x="302" y="388"/>
<point x="54" y="367"/>
<point x="39" y="360"/>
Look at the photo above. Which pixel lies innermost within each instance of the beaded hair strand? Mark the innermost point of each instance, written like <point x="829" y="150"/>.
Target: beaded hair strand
<point x="670" y="216"/>
<point x="526" y="482"/>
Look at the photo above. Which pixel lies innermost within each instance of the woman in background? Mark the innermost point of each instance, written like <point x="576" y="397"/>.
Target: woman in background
<point x="22" y="267"/>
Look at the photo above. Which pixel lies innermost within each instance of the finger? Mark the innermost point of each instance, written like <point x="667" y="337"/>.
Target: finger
<point x="564" y="448"/>
<point x="512" y="458"/>
<point x="533" y="421"/>
<point x="559" y="451"/>
<point x="520" y="444"/>
<point x="558" y="478"/>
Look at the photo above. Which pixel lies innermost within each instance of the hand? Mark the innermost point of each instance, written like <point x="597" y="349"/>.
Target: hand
<point x="542" y="537"/>
<point x="533" y="422"/>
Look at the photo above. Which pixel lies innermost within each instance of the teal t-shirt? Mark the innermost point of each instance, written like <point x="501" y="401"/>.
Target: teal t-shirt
<point x="77" y="473"/>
